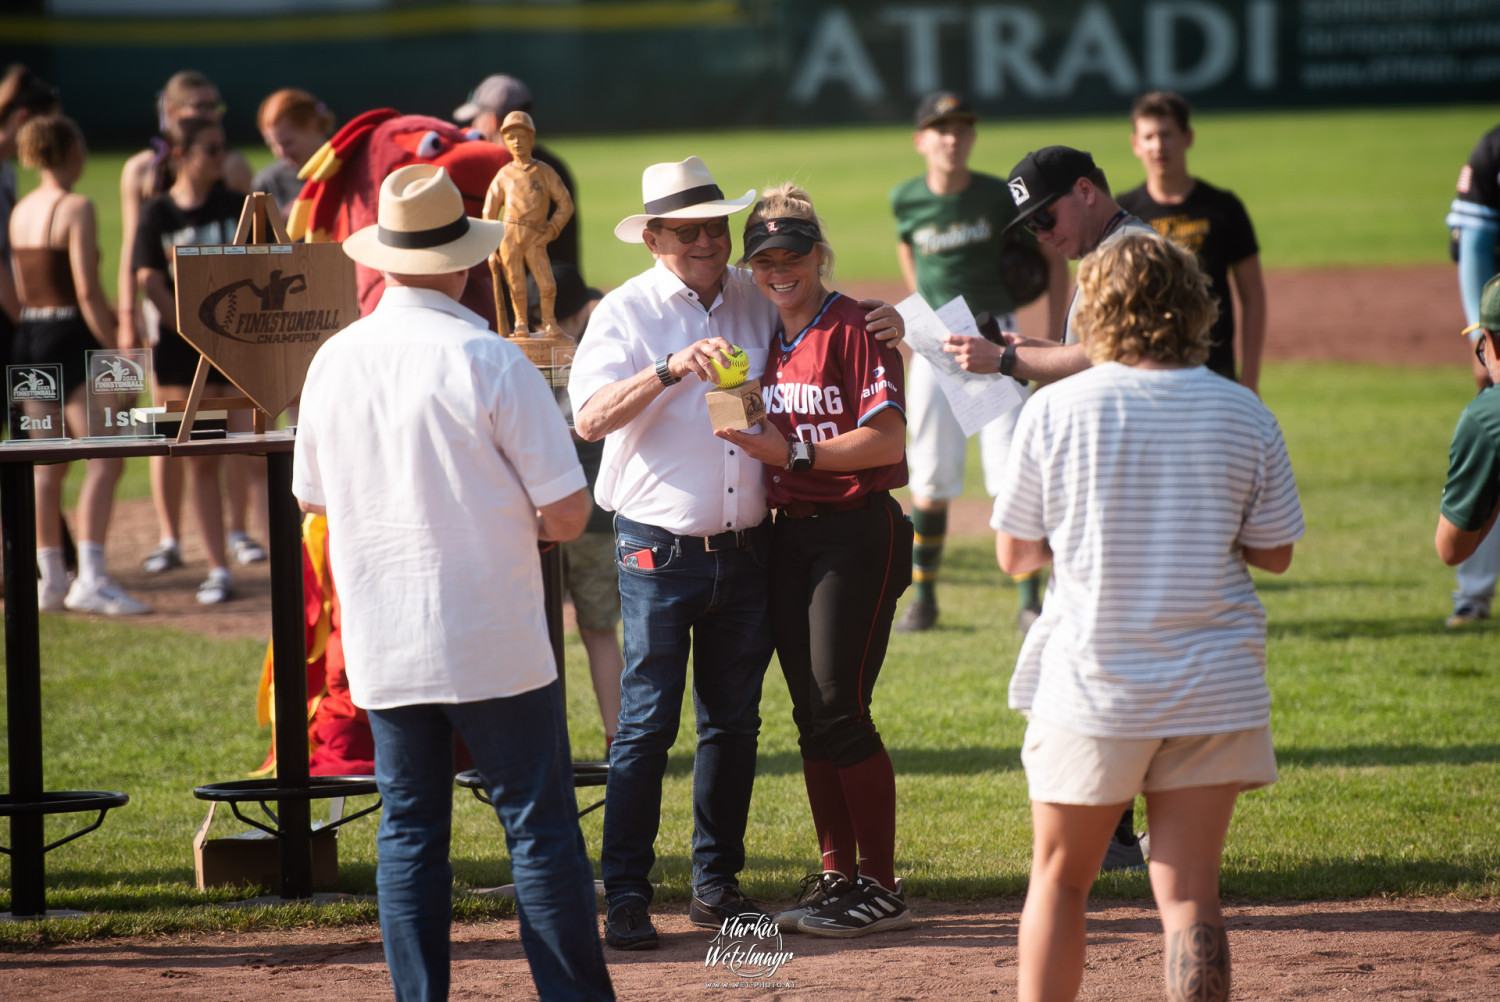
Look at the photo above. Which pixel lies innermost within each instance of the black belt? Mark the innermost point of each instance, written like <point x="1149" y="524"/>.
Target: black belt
<point x="733" y="539"/>
<point x="813" y="509"/>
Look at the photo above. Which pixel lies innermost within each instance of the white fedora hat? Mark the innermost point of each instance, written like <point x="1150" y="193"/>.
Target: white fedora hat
<point x="683" y="190"/>
<point x="422" y="228"/>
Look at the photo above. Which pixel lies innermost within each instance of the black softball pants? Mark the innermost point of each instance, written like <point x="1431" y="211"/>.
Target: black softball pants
<point x="835" y="580"/>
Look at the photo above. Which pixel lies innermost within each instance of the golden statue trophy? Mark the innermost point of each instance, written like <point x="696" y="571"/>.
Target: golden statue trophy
<point x="535" y="205"/>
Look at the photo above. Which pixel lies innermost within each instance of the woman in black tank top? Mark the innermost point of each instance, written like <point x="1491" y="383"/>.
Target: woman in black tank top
<point x="54" y="235"/>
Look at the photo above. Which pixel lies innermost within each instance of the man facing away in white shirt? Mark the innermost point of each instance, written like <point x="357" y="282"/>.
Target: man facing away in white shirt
<point x="439" y="457"/>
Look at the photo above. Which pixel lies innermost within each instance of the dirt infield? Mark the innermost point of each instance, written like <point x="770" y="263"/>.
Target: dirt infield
<point x="1380" y="949"/>
<point x="1397" y="316"/>
<point x="1410" y="949"/>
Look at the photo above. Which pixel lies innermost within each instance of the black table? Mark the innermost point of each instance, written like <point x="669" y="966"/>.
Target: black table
<point x="28" y="802"/>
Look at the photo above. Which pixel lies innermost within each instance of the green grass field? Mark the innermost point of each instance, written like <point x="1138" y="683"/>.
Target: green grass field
<point x="1388" y="743"/>
<point x="1324" y="188"/>
<point x="1389" y="751"/>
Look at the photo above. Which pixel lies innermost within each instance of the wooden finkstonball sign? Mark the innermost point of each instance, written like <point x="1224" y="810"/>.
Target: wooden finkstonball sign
<point x="259" y="311"/>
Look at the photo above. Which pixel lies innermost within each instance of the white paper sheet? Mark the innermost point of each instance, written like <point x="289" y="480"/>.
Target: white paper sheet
<point x="976" y="398"/>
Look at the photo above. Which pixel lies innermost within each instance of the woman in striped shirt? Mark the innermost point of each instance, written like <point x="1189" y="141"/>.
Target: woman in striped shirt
<point x="1151" y="485"/>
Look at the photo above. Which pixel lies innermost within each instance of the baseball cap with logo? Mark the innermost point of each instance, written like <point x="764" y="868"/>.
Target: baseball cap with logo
<point x="1043" y="176"/>
<point x="799" y="236"/>
<point x="1489" y="308"/>
<point x="942" y="105"/>
<point x="499" y="94"/>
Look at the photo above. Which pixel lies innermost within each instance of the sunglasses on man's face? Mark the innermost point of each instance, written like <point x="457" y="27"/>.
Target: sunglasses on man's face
<point x="689" y="234"/>
<point x="1040" y="221"/>
<point x="1479" y="347"/>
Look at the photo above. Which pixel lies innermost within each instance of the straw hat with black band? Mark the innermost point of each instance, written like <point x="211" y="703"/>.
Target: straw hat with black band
<point x="422" y="228"/>
<point x="684" y="190"/>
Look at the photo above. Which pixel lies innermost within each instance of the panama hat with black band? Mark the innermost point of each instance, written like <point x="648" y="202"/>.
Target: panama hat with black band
<point x="683" y="190"/>
<point x="1044" y="176"/>
<point x="422" y="228"/>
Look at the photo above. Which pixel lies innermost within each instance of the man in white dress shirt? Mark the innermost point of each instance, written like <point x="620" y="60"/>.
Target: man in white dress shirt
<point x="437" y="453"/>
<point x="692" y="533"/>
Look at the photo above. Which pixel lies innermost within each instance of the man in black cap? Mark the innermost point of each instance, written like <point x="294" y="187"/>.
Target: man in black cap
<point x="1064" y="199"/>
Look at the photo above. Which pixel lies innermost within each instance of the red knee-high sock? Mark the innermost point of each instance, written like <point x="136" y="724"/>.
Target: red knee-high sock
<point x="870" y="793"/>
<point x="825" y="795"/>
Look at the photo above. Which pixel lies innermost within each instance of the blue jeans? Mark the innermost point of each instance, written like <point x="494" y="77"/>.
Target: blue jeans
<point x="520" y="746"/>
<point x="715" y="601"/>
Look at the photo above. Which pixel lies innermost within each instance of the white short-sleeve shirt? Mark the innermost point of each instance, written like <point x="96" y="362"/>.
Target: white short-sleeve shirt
<point x="1147" y="484"/>
<point x="432" y="442"/>
<point x="666" y="467"/>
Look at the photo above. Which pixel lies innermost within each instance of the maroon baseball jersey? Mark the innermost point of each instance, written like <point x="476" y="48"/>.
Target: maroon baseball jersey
<point x="833" y="378"/>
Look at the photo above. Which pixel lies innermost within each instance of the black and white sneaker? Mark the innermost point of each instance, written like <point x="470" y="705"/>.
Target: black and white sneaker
<point x="817" y="890"/>
<point x="867" y="908"/>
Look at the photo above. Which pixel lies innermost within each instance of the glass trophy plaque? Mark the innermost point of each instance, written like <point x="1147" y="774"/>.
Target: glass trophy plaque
<point x="557" y="378"/>
<point x="118" y="378"/>
<point x="35" y="394"/>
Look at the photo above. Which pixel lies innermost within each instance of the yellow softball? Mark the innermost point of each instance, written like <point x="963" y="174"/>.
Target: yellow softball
<point x="734" y="373"/>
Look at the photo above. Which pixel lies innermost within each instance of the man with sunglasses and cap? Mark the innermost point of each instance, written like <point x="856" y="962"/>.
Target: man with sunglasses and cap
<point x="1471" y="497"/>
<point x="1064" y="199"/>
<point x="424" y="435"/>
<point x="692" y="532"/>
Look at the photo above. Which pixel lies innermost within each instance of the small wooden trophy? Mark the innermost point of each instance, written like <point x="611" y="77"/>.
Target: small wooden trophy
<point x="738" y="407"/>
<point x="736" y="402"/>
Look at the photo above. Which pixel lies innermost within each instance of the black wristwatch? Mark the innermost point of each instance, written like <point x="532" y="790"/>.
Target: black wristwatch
<point x="1008" y="361"/>
<point x="800" y="459"/>
<point x="665" y="374"/>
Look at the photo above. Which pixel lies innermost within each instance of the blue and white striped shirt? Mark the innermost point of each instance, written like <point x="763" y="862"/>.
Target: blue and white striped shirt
<point x="1147" y="483"/>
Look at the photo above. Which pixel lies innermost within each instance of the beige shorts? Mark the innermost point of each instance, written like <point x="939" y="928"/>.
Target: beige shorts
<point x="1067" y="768"/>
<point x="590" y="577"/>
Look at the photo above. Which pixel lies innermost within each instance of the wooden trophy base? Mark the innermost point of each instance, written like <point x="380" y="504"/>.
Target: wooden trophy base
<point x="736" y="408"/>
<point x="553" y="355"/>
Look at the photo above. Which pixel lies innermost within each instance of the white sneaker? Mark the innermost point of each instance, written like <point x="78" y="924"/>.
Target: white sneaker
<point x="104" y="597"/>
<point x="50" y="599"/>
<point x="215" y="590"/>
<point x="246" y="550"/>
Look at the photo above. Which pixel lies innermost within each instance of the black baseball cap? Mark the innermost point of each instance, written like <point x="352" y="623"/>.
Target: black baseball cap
<point x="799" y="236"/>
<point x="1045" y="175"/>
<point x="944" y="104"/>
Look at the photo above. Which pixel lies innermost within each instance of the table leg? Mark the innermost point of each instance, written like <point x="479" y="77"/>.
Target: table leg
<point x="552" y="604"/>
<point x="23" y="680"/>
<point x="289" y="671"/>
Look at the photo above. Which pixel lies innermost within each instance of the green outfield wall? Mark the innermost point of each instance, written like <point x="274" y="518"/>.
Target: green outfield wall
<point x="612" y="65"/>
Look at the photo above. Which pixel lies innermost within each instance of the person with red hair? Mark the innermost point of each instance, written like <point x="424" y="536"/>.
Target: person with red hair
<point x="294" y="125"/>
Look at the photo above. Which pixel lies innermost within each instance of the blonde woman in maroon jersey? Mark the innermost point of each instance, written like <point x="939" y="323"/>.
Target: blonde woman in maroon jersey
<point x="834" y="444"/>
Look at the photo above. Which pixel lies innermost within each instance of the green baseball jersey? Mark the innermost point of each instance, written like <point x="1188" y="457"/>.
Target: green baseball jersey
<point x="955" y="240"/>
<point x="1473" y="486"/>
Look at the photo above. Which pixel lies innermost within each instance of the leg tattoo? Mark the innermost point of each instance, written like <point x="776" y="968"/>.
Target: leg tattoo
<point x="1198" y="964"/>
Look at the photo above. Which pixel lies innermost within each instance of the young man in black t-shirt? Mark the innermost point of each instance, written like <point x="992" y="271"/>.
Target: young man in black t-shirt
<point x="1211" y="222"/>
